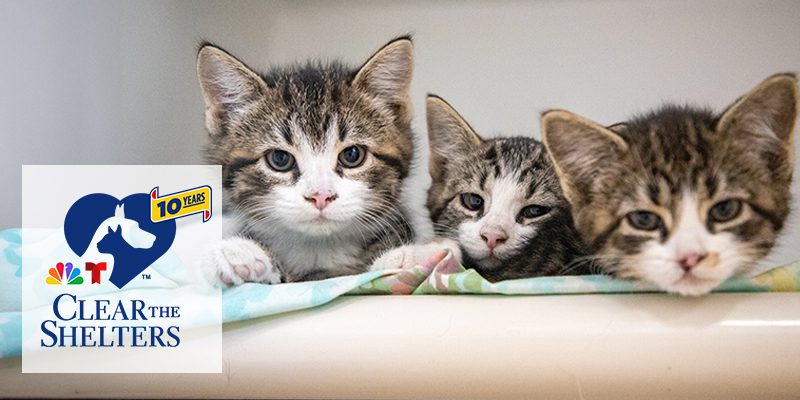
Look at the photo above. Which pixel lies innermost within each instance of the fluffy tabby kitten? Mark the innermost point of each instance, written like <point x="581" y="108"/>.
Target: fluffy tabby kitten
<point x="681" y="197"/>
<point x="313" y="157"/>
<point x="500" y="199"/>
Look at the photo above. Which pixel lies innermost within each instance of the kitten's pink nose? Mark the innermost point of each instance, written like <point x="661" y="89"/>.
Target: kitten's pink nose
<point x="689" y="261"/>
<point x="321" y="199"/>
<point x="494" y="238"/>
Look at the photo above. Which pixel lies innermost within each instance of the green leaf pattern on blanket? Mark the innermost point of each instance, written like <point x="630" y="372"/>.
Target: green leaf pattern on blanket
<point x="443" y="275"/>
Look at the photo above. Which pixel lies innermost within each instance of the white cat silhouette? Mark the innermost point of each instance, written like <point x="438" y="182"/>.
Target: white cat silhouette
<point x="135" y="236"/>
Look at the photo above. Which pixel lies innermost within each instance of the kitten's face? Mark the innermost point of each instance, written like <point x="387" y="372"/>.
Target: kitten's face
<point x="502" y="194"/>
<point x="680" y="197"/>
<point x="493" y="196"/>
<point x="316" y="149"/>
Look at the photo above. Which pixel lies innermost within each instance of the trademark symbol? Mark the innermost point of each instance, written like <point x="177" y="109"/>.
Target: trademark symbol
<point x="145" y="276"/>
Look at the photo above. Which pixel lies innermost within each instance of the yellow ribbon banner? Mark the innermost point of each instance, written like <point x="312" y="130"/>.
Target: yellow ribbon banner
<point x="180" y="204"/>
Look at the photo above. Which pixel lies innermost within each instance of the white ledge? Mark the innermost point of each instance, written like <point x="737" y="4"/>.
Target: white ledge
<point x="589" y="346"/>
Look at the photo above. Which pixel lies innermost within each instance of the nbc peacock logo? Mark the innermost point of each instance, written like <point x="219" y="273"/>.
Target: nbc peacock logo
<point x="57" y="274"/>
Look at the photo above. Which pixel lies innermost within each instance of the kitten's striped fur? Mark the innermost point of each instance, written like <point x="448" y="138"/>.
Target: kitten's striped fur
<point x="509" y="174"/>
<point x="310" y="113"/>
<point x="679" y="163"/>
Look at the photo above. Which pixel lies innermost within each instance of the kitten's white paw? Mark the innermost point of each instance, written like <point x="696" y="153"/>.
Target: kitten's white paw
<point x="449" y="245"/>
<point x="238" y="260"/>
<point x="414" y="254"/>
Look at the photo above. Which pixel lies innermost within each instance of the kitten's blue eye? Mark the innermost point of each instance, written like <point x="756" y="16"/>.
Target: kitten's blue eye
<point x="534" y="211"/>
<point x="471" y="201"/>
<point x="352" y="156"/>
<point x="725" y="210"/>
<point x="280" y="160"/>
<point x="644" y="220"/>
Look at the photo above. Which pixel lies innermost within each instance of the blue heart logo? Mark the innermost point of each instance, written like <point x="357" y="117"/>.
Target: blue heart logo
<point x="90" y="211"/>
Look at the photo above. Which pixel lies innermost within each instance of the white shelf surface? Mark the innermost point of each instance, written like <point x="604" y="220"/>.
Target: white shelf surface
<point x="590" y="346"/>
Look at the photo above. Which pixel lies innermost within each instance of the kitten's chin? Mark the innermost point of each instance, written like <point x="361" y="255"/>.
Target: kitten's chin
<point x="489" y="262"/>
<point x="699" y="282"/>
<point x="671" y="278"/>
<point x="486" y="261"/>
<point x="318" y="227"/>
<point x="692" y="285"/>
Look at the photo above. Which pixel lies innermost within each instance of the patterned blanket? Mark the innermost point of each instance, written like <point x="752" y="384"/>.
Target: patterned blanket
<point x="440" y="275"/>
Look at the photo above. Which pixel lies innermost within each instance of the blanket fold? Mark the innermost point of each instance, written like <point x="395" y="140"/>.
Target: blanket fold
<point x="442" y="274"/>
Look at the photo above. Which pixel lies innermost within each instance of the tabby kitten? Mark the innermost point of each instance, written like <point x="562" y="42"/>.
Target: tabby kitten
<point x="313" y="160"/>
<point x="681" y="197"/>
<point x="500" y="199"/>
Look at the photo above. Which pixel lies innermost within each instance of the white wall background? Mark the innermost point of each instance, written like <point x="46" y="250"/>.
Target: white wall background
<point x="114" y="82"/>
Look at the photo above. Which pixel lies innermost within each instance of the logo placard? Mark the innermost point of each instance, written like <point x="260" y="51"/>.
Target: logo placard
<point x="109" y="269"/>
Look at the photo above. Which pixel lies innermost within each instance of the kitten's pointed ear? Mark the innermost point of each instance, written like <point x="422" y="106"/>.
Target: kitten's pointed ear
<point x="583" y="152"/>
<point x="618" y="127"/>
<point x="227" y="84"/>
<point x="110" y="230"/>
<point x="387" y="74"/>
<point x="449" y="135"/>
<point x="770" y="109"/>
